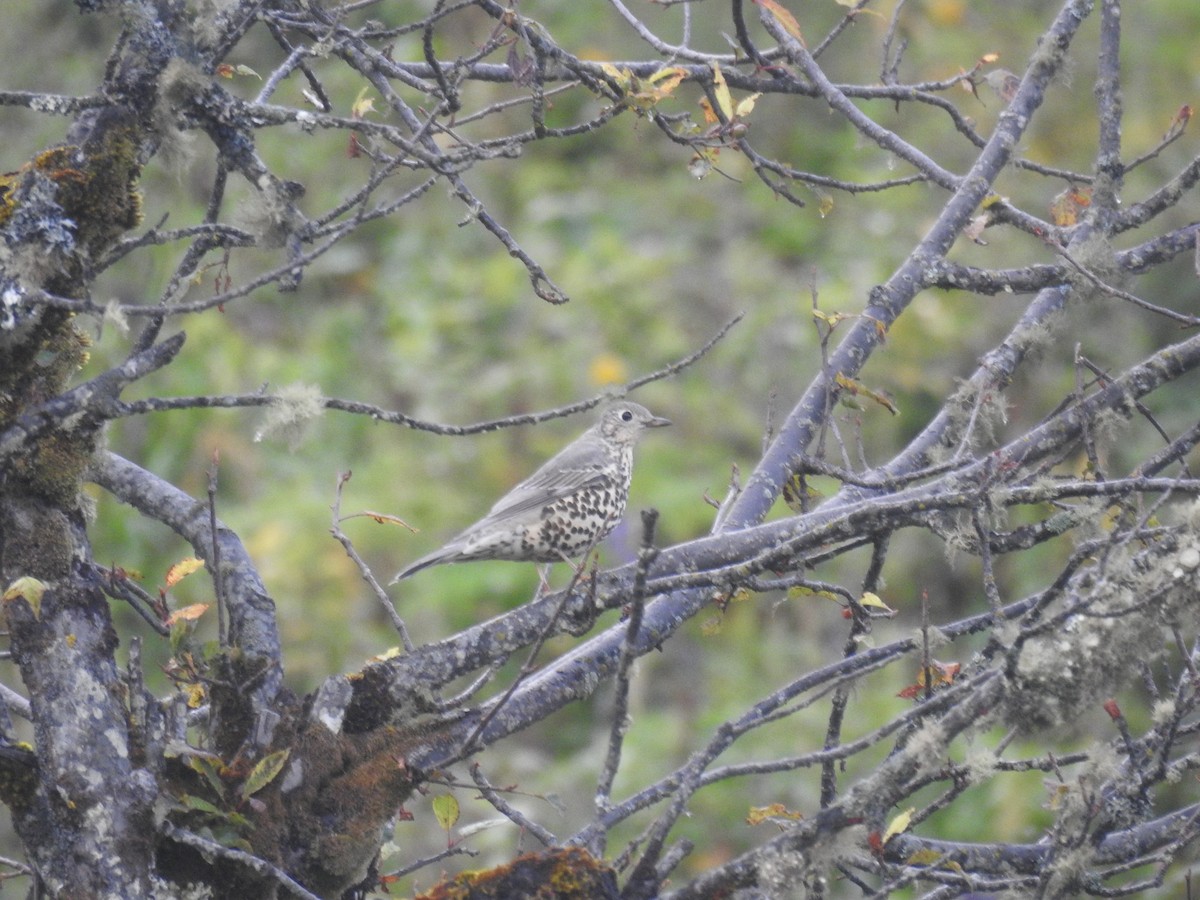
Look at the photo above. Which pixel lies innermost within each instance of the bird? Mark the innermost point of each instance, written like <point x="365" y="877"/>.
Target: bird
<point x="563" y="509"/>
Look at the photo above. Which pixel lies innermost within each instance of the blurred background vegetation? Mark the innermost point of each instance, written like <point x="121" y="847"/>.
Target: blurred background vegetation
<point x="424" y="314"/>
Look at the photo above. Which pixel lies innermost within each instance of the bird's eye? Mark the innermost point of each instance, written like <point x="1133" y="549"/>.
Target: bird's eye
<point x="627" y="416"/>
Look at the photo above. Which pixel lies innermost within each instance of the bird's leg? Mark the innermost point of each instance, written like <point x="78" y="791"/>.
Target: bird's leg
<point x="543" y="580"/>
<point x="580" y="573"/>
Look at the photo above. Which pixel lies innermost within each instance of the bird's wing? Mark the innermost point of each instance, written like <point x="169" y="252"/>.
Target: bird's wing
<point x="578" y="465"/>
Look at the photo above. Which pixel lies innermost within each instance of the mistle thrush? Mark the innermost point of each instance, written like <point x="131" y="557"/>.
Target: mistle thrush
<point x="564" y="508"/>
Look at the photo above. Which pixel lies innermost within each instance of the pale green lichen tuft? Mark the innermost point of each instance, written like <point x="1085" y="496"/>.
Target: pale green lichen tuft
<point x="291" y="414"/>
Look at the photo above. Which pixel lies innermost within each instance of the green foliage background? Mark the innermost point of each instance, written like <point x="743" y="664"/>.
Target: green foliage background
<point x="427" y="315"/>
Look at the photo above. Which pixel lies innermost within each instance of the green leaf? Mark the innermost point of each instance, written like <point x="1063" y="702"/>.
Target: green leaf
<point x="264" y="772"/>
<point x="210" y="771"/>
<point x="445" y="808"/>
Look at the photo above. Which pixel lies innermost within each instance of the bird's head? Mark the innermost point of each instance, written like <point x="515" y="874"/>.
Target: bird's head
<point x="624" y="421"/>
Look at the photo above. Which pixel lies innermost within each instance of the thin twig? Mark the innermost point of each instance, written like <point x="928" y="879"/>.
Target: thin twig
<point x="214" y="562"/>
<point x="119" y="585"/>
<point x="1186" y="320"/>
<point x="240" y="857"/>
<point x="620" y="714"/>
<point x="507" y="810"/>
<point x="417" y="864"/>
<point x="471" y="744"/>
<point x="364" y="570"/>
<point x="238" y="401"/>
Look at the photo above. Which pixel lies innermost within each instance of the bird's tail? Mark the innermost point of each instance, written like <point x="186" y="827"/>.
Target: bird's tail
<point x="423" y="563"/>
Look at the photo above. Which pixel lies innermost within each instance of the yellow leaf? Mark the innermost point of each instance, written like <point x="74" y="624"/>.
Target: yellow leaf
<point x="869" y="599"/>
<point x="196" y="695"/>
<point x="28" y="589"/>
<point x="653" y="92"/>
<point x="746" y="106"/>
<point x="799" y="591"/>
<point x="721" y="89"/>
<point x="445" y="810"/>
<point x="711" y="627"/>
<point x="390" y="653"/>
<point x="785" y="19"/>
<point x="824" y="204"/>
<point x="899" y="825"/>
<point x="622" y="77"/>
<point x="858" y="389"/>
<point x="670" y="78"/>
<point x="363" y="104"/>
<point x="830" y="319"/>
<point x="182" y="570"/>
<point x="760" y="814"/>
<point x="187" y="614"/>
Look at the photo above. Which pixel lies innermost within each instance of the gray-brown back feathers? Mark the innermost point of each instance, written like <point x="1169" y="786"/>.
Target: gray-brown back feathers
<point x="563" y="509"/>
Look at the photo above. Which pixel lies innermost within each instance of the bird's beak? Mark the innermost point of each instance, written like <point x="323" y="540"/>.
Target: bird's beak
<point x="658" y="422"/>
